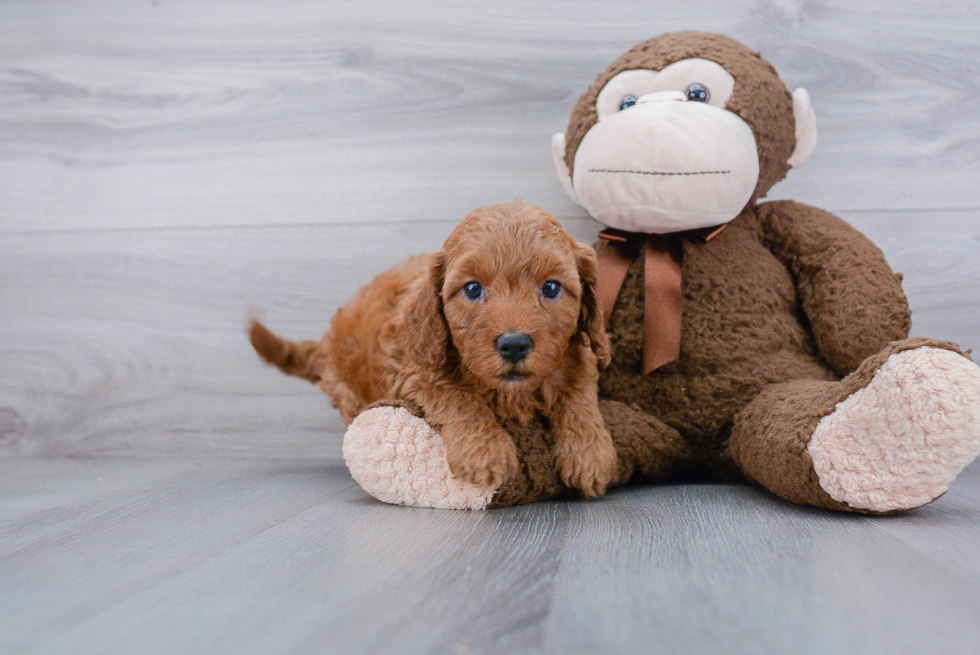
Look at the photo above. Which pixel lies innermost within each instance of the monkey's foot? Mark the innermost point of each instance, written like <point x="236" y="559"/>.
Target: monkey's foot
<point x="398" y="458"/>
<point x="900" y="441"/>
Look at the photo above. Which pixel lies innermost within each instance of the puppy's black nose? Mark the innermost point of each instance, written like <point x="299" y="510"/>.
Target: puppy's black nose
<point x="513" y="346"/>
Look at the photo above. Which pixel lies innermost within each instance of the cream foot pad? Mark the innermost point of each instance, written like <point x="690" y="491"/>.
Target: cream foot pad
<point x="897" y="443"/>
<point x="397" y="458"/>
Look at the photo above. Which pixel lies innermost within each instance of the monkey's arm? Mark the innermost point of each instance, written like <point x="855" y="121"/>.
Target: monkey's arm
<point x="850" y="295"/>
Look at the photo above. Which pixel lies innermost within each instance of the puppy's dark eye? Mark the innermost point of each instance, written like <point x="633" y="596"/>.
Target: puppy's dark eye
<point x="697" y="93"/>
<point x="551" y="289"/>
<point x="627" y="101"/>
<point x="473" y="290"/>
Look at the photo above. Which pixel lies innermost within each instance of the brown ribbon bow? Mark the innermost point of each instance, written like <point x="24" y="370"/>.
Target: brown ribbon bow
<point x="662" y="308"/>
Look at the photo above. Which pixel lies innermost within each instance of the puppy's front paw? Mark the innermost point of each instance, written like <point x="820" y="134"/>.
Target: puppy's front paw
<point x="486" y="460"/>
<point x="587" y="464"/>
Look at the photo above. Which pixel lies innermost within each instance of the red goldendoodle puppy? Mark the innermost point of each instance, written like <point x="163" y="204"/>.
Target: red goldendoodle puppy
<point x="503" y="322"/>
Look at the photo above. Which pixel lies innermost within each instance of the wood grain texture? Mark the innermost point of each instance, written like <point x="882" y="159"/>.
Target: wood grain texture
<point x="240" y="112"/>
<point x="133" y="342"/>
<point x="165" y="166"/>
<point x="753" y="575"/>
<point x="126" y="343"/>
<point x="258" y="557"/>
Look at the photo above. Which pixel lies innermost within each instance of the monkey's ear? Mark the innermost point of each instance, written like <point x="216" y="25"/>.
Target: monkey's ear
<point x="590" y="319"/>
<point x="558" y="151"/>
<point x="427" y="336"/>
<point x="806" y="128"/>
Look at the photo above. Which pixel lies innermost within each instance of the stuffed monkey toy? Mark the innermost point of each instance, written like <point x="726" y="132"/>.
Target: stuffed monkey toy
<point x="765" y="342"/>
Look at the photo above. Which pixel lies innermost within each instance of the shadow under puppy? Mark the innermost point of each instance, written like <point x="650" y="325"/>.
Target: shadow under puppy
<point x="501" y="327"/>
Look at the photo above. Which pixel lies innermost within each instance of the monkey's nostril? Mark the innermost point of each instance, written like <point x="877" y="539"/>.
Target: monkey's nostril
<point x="514" y="346"/>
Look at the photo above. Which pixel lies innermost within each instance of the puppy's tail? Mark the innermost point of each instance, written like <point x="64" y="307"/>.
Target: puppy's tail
<point x="291" y="357"/>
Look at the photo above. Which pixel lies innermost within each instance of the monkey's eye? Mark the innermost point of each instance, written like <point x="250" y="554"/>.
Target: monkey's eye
<point x="697" y="93"/>
<point x="473" y="290"/>
<point x="551" y="289"/>
<point x="627" y="101"/>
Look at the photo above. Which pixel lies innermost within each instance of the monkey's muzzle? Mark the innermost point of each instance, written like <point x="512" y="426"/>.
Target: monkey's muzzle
<point x="666" y="165"/>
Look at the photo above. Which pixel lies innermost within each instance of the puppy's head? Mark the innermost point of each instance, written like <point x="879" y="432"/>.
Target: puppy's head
<point x="508" y="292"/>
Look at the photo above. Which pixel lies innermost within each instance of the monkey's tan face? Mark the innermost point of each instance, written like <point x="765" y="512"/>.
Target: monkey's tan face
<point x="666" y="140"/>
<point x="665" y="155"/>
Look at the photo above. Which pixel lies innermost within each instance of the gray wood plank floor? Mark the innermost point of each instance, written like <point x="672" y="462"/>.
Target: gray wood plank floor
<point x="213" y="556"/>
<point x="165" y="166"/>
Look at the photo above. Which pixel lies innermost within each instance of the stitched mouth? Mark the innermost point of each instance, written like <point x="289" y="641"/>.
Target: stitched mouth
<point x="665" y="173"/>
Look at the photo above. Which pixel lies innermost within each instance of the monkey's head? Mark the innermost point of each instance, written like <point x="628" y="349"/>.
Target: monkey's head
<point x="682" y="132"/>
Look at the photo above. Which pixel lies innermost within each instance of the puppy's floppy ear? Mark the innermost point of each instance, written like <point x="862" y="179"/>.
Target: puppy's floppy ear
<point x="590" y="319"/>
<point x="425" y="325"/>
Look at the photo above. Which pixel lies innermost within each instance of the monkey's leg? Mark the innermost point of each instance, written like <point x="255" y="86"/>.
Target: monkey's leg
<point x="889" y="437"/>
<point x="398" y="458"/>
<point x="644" y="445"/>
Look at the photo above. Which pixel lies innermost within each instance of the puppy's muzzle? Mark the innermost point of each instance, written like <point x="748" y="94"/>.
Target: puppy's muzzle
<point x="514" y="346"/>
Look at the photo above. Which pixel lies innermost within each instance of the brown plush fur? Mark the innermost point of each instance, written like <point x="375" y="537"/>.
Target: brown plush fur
<point x="413" y="335"/>
<point x="763" y="304"/>
<point x="770" y="435"/>
<point x="785" y="313"/>
<point x="767" y="333"/>
<point x="760" y="98"/>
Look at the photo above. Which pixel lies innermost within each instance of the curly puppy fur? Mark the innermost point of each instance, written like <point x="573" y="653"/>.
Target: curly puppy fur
<point x="413" y="334"/>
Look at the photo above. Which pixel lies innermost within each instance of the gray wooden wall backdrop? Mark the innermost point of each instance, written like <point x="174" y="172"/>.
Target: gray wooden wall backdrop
<point x="166" y="165"/>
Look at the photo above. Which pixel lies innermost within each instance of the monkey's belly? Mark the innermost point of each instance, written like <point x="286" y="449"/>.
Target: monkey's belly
<point x="743" y="329"/>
